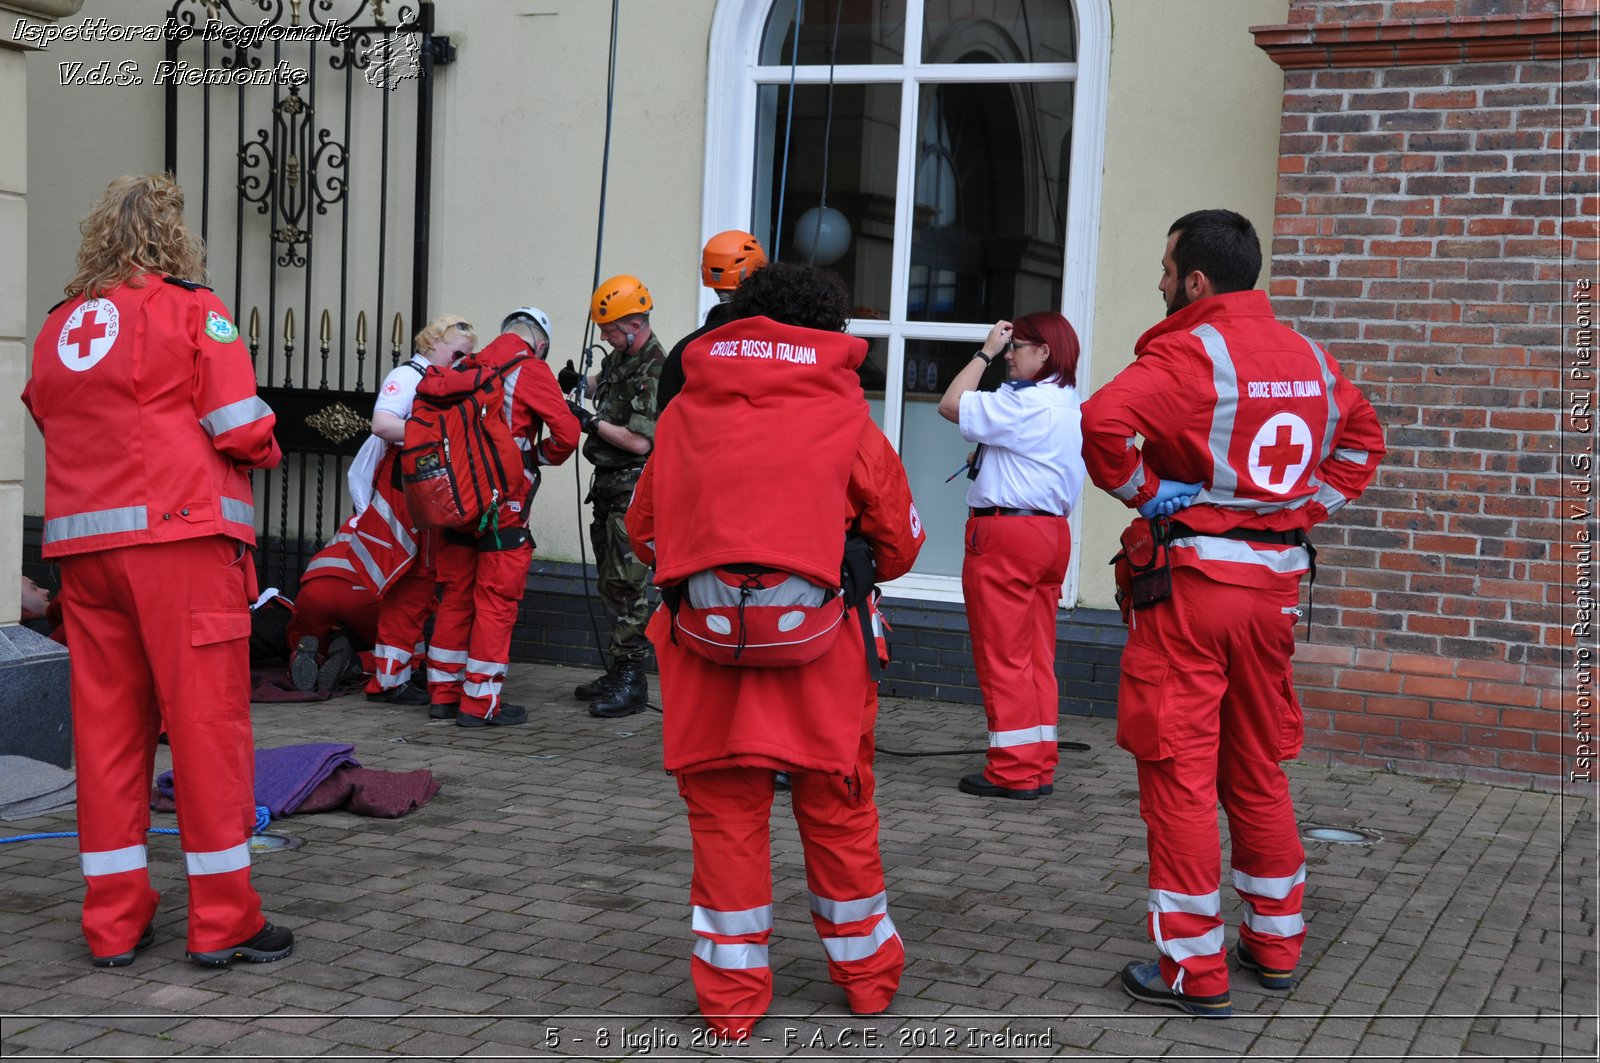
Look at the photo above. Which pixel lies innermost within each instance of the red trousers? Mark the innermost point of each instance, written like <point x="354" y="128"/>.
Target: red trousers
<point x="1207" y="706"/>
<point x="1011" y="579"/>
<point x="471" y="646"/>
<point x="323" y="604"/>
<point x="402" y="614"/>
<point x="731" y="889"/>
<point x="160" y="637"/>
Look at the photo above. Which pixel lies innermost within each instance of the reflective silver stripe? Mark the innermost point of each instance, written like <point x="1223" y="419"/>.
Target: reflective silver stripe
<point x="443" y="656"/>
<point x="238" y="511"/>
<point x="1180" y="949"/>
<point x="851" y="911"/>
<point x="330" y="562"/>
<point x="95" y="522"/>
<point x="848" y="950"/>
<point x="220" y="862"/>
<point x="1331" y="431"/>
<point x="391" y="680"/>
<point x="113" y="861"/>
<point x="397" y="527"/>
<point x="1331" y="498"/>
<point x="486" y="668"/>
<point x="385" y="652"/>
<point x="234" y="415"/>
<point x="507" y="403"/>
<point x="1224" y="489"/>
<point x="374" y="572"/>
<point x="1354" y="457"/>
<point x="1026" y="736"/>
<point x="487" y="688"/>
<point x="1276" y="889"/>
<point x="1212" y="548"/>
<point x="1133" y="484"/>
<point x="1283" y="926"/>
<point x="436" y="675"/>
<point x="731" y="957"/>
<point x="1187" y="903"/>
<point x="732" y="924"/>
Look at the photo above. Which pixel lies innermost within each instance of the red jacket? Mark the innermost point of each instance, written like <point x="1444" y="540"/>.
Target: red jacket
<point x="773" y="414"/>
<point x="376" y="546"/>
<point x="147" y="402"/>
<point x="809" y="718"/>
<point x="1261" y="416"/>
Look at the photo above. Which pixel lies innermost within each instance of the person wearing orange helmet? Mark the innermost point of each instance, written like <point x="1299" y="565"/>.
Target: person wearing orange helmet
<point x="621" y="431"/>
<point x="726" y="261"/>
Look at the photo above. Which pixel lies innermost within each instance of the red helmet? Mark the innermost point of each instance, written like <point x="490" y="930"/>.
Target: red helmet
<point x="729" y="257"/>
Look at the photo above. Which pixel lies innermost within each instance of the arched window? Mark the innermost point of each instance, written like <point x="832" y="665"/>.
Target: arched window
<point x="943" y="157"/>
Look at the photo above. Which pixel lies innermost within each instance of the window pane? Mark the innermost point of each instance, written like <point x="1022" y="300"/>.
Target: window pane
<point x="989" y="225"/>
<point x="1009" y="31"/>
<point x="854" y="236"/>
<point x="932" y="449"/>
<point x="869" y="31"/>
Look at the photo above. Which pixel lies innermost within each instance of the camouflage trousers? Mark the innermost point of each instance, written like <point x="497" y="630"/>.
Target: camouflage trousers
<point x="623" y="578"/>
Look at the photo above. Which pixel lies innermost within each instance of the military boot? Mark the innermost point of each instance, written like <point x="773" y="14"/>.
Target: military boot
<point x="598" y="686"/>
<point x="627" y="694"/>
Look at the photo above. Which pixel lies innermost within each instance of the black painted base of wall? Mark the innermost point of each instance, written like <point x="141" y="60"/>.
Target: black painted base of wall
<point x="557" y="623"/>
<point x="35" y="705"/>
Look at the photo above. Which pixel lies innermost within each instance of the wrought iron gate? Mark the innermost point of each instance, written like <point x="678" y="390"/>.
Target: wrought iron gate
<point x="287" y="124"/>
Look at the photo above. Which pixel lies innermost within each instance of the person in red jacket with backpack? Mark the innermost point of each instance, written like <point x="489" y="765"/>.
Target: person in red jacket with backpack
<point x="1252" y="436"/>
<point x="729" y="510"/>
<point x="484" y="574"/>
<point x="153" y="529"/>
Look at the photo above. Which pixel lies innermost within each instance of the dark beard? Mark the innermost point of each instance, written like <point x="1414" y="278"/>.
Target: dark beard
<point x="1179" y="300"/>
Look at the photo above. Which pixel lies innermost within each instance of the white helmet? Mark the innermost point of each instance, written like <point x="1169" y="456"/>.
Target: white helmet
<point x="533" y="316"/>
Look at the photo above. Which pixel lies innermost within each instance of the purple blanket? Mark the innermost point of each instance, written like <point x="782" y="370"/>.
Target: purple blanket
<point x="285" y="776"/>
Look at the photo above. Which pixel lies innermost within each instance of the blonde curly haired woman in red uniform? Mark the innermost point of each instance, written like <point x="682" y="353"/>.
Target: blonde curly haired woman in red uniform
<point x="152" y="527"/>
<point x="1028" y="476"/>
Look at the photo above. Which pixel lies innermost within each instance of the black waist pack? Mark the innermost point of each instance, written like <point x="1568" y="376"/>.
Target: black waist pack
<point x="1143" y="565"/>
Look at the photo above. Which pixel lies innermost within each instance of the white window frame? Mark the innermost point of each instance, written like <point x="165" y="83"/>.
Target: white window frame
<point x="733" y="77"/>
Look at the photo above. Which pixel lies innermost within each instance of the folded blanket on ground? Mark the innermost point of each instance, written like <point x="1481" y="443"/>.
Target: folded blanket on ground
<point x="370" y="792"/>
<point x="284" y="775"/>
<point x="321" y="777"/>
<point x="31" y="787"/>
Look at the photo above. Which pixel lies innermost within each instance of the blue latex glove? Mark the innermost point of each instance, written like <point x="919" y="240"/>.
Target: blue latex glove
<point x="1170" y="497"/>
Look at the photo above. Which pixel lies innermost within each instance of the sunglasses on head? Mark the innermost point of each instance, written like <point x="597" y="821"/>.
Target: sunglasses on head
<point x="463" y="326"/>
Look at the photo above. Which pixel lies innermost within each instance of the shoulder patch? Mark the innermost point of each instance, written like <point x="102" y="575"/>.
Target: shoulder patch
<point x="220" y="328"/>
<point x="193" y="286"/>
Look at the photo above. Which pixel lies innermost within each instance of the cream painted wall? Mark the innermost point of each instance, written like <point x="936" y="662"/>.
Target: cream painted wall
<point x="515" y="219"/>
<point x="1192" y="122"/>
<point x="520" y="118"/>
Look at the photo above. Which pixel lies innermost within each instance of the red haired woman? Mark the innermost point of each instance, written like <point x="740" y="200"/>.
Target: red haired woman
<point x="1027" y="475"/>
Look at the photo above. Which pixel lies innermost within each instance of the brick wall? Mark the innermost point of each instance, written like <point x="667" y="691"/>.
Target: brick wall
<point x="1436" y="198"/>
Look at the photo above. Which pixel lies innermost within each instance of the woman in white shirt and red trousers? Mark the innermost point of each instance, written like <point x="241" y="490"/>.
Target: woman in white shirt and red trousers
<point x="1027" y="475"/>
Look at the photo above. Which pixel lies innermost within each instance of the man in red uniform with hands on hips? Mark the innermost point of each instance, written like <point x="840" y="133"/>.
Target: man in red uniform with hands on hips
<point x="1252" y="436"/>
<point x="152" y="529"/>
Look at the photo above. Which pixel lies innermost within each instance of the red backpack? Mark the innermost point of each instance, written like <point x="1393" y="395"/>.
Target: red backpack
<point x="459" y="461"/>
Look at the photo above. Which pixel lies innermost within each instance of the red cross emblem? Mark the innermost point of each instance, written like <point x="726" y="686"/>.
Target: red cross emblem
<point x="88" y="335"/>
<point x="1280" y="452"/>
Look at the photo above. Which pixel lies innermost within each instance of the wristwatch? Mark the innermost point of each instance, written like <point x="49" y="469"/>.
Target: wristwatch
<point x="988" y="359"/>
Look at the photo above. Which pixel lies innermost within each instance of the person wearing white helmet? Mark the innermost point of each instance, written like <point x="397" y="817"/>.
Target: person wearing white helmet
<point x="484" y="577"/>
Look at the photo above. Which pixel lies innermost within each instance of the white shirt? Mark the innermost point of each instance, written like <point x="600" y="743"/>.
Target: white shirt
<point x="1033" y="446"/>
<point x="396" y="395"/>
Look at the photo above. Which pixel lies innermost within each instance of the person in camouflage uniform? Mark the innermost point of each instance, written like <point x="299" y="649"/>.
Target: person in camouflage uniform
<point x="621" y="432"/>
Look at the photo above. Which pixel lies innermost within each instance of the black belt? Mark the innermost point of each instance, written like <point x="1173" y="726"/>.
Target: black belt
<point x="1009" y="511"/>
<point x="1179" y="530"/>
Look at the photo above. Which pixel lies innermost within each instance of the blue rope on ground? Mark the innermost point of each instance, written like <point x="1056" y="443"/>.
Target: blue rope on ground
<point x="263" y="817"/>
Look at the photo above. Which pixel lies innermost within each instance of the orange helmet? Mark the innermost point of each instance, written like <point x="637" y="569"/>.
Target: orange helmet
<point x="729" y="257"/>
<point x="620" y="296"/>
